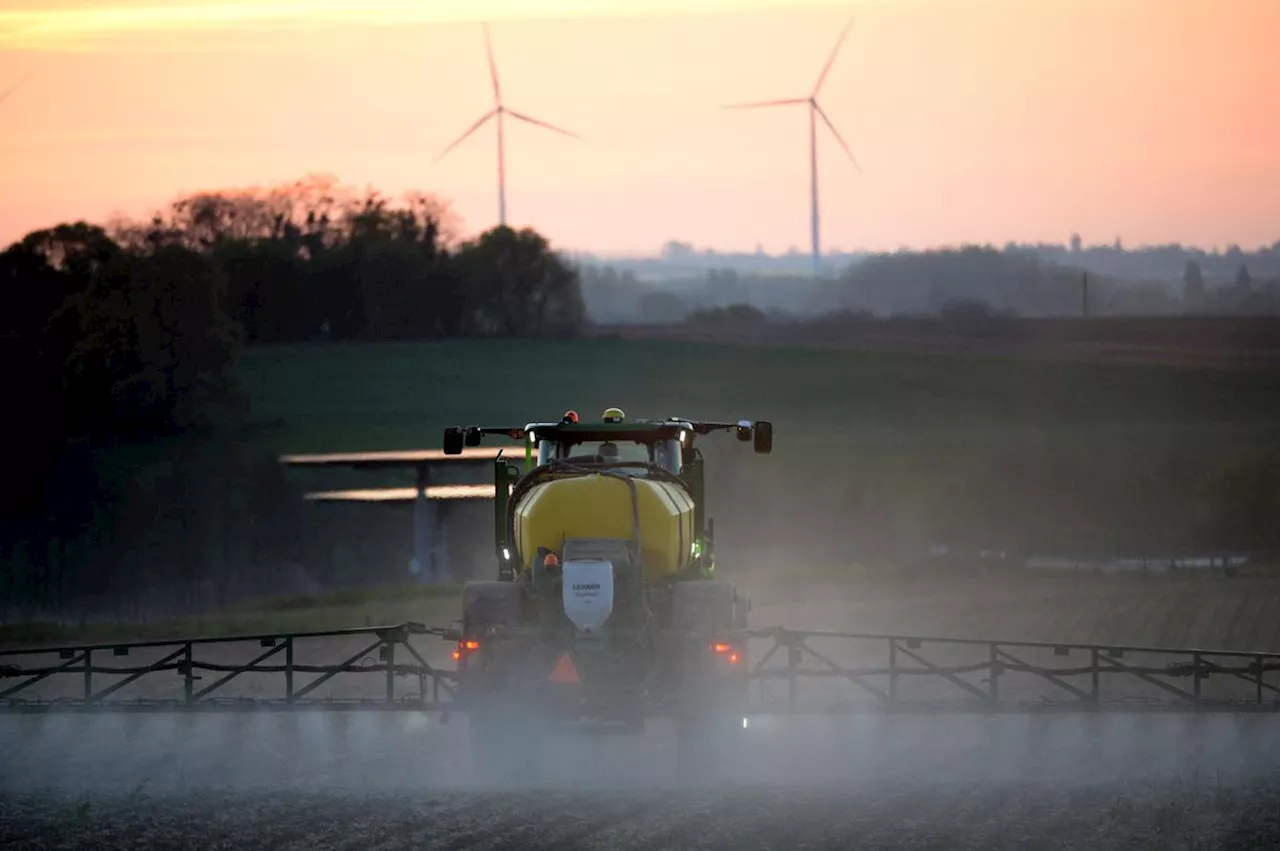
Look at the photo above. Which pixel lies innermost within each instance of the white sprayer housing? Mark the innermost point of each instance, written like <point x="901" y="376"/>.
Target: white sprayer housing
<point x="588" y="593"/>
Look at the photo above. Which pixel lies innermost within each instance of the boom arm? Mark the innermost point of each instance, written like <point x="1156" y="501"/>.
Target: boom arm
<point x="456" y="438"/>
<point x="760" y="431"/>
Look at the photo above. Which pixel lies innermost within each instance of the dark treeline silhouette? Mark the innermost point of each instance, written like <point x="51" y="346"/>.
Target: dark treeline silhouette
<point x="319" y="260"/>
<point x="133" y="328"/>
<point x="127" y="334"/>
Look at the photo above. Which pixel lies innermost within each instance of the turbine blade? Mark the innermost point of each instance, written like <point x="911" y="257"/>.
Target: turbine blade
<point x="9" y="91"/>
<point x="473" y="128"/>
<point x="524" y="117"/>
<point x="822" y="78"/>
<point x="493" y="67"/>
<point x="755" y="104"/>
<point x="839" y="139"/>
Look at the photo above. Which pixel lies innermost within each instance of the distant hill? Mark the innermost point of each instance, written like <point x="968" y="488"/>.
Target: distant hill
<point x="1031" y="281"/>
<point x="1147" y="263"/>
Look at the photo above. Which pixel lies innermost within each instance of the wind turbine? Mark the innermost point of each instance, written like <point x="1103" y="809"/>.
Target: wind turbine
<point x="498" y="112"/>
<point x="815" y="112"/>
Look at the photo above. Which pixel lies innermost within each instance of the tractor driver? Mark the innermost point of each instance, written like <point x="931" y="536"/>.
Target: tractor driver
<point x="608" y="452"/>
<point x="662" y="455"/>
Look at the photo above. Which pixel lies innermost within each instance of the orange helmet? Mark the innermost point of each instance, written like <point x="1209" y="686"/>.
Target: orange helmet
<point x="570" y="416"/>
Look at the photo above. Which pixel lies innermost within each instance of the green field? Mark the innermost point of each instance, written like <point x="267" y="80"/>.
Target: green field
<point x="877" y="456"/>
<point x="393" y="395"/>
<point x="875" y="452"/>
<point x="434" y="605"/>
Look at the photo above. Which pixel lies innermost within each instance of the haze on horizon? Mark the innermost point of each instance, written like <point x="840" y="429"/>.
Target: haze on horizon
<point x="974" y="120"/>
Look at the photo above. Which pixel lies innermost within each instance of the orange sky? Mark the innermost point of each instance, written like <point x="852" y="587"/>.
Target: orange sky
<point x="973" y="120"/>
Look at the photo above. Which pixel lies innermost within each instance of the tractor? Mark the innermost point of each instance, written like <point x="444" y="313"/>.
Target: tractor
<point x="605" y="609"/>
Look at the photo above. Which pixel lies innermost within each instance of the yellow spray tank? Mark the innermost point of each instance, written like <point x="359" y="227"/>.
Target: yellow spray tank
<point x="599" y="505"/>
<point x="615" y="481"/>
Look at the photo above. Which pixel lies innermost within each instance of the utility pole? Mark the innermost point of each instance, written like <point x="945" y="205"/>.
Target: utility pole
<point x="1084" y="295"/>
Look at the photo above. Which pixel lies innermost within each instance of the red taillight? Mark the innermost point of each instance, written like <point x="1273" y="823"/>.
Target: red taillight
<point x="726" y="650"/>
<point x="465" y="648"/>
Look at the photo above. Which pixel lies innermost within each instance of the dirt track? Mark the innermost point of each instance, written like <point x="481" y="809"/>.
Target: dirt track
<point x="388" y="781"/>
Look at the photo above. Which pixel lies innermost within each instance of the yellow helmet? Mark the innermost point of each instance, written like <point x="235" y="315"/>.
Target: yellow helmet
<point x="614" y="415"/>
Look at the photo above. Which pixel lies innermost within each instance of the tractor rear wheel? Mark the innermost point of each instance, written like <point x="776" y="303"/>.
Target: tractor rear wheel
<point x="487" y="604"/>
<point x="712" y="693"/>
<point x="505" y="730"/>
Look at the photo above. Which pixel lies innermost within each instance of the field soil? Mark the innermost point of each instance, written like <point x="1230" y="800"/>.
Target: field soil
<point x="1122" y="816"/>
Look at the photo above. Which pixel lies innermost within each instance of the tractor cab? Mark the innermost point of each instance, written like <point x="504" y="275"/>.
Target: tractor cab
<point x="611" y="441"/>
<point x="665" y="453"/>
<point x="627" y="446"/>
<point x="596" y="451"/>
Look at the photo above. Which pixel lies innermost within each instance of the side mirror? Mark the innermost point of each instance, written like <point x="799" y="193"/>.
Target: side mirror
<point x="474" y="436"/>
<point x="453" y="441"/>
<point x="764" y="437"/>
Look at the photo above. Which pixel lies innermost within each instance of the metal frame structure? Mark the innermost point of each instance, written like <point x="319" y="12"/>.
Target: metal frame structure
<point x="904" y="657"/>
<point x="1221" y="680"/>
<point x="184" y="657"/>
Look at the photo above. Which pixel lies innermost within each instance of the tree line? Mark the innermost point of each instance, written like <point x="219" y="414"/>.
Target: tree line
<point x="1022" y="283"/>
<point x="1114" y="260"/>
<point x="128" y="332"/>
<point x="133" y="326"/>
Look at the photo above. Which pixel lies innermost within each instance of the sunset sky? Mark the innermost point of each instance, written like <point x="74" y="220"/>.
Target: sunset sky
<point x="973" y="120"/>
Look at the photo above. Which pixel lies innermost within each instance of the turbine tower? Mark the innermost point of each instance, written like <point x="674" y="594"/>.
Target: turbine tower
<point x="499" y="111"/>
<point x="815" y="112"/>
